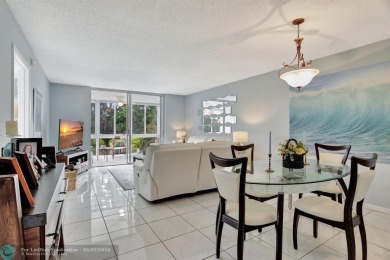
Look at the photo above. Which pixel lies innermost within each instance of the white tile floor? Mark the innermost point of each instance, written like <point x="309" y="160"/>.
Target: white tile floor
<point x="100" y="213"/>
<point x="105" y="160"/>
<point x="108" y="160"/>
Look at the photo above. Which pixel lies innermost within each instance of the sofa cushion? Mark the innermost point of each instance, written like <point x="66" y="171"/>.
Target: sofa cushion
<point x="175" y="171"/>
<point x="219" y="138"/>
<point x="216" y="143"/>
<point x="150" y="150"/>
<point x="205" y="176"/>
<point x="193" y="139"/>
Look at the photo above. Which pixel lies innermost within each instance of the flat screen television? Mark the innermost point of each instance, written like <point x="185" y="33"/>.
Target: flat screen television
<point x="70" y="134"/>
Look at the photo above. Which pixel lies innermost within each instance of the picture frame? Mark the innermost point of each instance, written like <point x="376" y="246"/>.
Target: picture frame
<point x="11" y="166"/>
<point x="49" y="156"/>
<point x="27" y="169"/>
<point x="11" y="216"/>
<point x="31" y="146"/>
<point x="37" y="113"/>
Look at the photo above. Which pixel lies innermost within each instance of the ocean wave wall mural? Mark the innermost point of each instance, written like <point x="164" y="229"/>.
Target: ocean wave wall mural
<point x="349" y="107"/>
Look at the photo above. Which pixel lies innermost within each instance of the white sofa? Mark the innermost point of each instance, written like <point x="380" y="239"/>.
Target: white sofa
<point x="194" y="139"/>
<point x="174" y="169"/>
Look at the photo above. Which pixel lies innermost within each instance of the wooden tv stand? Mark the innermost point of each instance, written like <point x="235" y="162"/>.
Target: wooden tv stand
<point x="78" y="158"/>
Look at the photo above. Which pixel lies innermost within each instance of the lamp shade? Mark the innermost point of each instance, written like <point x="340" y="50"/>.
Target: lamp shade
<point x="120" y="101"/>
<point x="11" y="128"/>
<point x="240" y="137"/>
<point x="299" y="78"/>
<point x="180" y="134"/>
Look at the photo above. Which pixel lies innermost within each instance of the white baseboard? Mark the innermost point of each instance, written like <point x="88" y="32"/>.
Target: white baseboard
<point x="376" y="208"/>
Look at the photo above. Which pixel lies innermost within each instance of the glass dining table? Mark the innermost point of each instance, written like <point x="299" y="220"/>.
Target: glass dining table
<point x="282" y="181"/>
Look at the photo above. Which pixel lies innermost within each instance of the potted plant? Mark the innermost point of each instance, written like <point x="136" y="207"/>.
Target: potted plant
<point x="293" y="153"/>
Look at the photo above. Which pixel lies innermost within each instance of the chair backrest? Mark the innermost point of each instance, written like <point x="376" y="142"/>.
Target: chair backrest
<point x="332" y="156"/>
<point x="240" y="151"/>
<point x="231" y="185"/>
<point x="120" y="143"/>
<point x="359" y="182"/>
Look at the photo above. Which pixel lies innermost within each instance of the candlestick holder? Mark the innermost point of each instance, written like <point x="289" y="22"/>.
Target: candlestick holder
<point x="269" y="170"/>
<point x="306" y="163"/>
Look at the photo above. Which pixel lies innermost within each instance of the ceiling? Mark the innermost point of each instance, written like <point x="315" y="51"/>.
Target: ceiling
<point x="185" y="46"/>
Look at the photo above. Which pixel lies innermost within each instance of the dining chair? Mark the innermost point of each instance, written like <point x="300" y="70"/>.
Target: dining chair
<point x="338" y="215"/>
<point x="240" y="151"/>
<point x="236" y="209"/>
<point x="331" y="156"/>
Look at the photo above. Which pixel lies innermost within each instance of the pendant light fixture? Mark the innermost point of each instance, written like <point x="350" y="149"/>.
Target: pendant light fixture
<point x="302" y="74"/>
<point x="120" y="101"/>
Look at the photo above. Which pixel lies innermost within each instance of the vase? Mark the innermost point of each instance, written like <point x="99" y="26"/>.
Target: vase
<point x="296" y="162"/>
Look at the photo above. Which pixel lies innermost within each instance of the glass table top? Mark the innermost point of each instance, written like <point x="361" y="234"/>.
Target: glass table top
<point x="314" y="172"/>
<point x="313" y="176"/>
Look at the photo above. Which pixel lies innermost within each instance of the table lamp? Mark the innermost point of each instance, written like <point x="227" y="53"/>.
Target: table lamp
<point x="181" y="135"/>
<point x="240" y="137"/>
<point x="11" y="130"/>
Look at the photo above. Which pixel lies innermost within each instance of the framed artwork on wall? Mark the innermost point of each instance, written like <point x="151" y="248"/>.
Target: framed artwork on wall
<point x="216" y="115"/>
<point x="347" y="107"/>
<point x="37" y="111"/>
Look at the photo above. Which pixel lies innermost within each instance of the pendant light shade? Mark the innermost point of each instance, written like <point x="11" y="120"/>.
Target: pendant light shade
<point x="120" y="101"/>
<point x="302" y="74"/>
<point x="299" y="78"/>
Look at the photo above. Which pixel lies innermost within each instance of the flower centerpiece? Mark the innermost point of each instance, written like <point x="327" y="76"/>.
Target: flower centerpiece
<point x="293" y="152"/>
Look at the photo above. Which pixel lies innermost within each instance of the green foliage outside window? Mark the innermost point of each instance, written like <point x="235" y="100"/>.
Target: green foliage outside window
<point x="121" y="115"/>
<point x="141" y="143"/>
<point x="93" y="145"/>
<point x="151" y="119"/>
<point x="142" y="114"/>
<point x="138" y="119"/>
<point x="106" y="118"/>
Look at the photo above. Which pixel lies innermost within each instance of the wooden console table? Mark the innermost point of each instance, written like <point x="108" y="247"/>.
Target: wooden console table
<point x="42" y="224"/>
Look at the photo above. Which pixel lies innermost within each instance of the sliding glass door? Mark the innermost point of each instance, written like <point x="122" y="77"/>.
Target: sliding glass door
<point x="123" y="125"/>
<point x="109" y="141"/>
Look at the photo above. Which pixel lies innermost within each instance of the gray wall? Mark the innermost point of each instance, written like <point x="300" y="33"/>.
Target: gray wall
<point x="263" y="101"/>
<point x="73" y="103"/>
<point x="12" y="34"/>
<point x="262" y="106"/>
<point x="174" y="116"/>
<point x="355" y="58"/>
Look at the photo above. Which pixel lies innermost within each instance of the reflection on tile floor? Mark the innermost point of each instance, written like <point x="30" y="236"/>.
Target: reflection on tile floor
<point x="100" y="213"/>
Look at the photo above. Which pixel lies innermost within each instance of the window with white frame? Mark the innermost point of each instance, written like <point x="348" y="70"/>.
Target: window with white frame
<point x="146" y="119"/>
<point x="21" y="94"/>
<point x="107" y="118"/>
